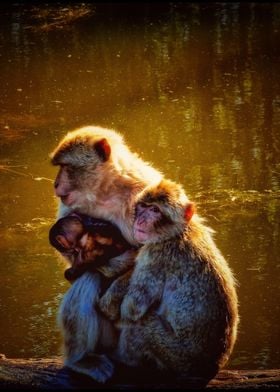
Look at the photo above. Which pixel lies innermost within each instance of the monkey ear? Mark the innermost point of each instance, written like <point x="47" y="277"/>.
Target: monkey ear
<point x="189" y="211"/>
<point x="103" y="149"/>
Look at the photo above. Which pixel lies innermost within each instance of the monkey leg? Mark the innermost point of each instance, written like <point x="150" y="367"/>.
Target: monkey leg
<point x="134" y="346"/>
<point x="153" y="339"/>
<point x="81" y="324"/>
<point x="110" y="302"/>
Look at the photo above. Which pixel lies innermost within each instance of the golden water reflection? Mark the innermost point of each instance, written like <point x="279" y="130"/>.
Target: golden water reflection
<point x="195" y="89"/>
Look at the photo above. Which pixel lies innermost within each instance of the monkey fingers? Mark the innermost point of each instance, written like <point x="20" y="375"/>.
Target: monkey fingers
<point x="110" y="302"/>
<point x="119" y="264"/>
<point x="133" y="307"/>
<point x="109" y="306"/>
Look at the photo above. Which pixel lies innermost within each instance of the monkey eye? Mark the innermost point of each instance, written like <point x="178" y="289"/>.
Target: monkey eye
<point x="141" y="205"/>
<point x="155" y="209"/>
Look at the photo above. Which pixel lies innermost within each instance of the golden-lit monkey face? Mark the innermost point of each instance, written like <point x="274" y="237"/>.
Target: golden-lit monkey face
<point x="67" y="185"/>
<point x="148" y="219"/>
<point x="82" y="165"/>
<point x="162" y="212"/>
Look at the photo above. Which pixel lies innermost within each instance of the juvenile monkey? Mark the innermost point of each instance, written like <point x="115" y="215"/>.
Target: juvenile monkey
<point x="179" y="307"/>
<point x="98" y="176"/>
<point x="87" y="242"/>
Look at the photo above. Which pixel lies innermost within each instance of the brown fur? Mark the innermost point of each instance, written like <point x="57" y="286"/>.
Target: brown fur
<point x="101" y="189"/>
<point x="180" y="306"/>
<point x="99" y="176"/>
<point x="87" y="243"/>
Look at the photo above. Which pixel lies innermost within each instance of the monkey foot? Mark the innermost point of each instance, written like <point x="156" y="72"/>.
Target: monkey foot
<point x="98" y="367"/>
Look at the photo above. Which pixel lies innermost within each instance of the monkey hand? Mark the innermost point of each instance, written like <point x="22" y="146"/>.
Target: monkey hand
<point x="133" y="307"/>
<point x="119" y="264"/>
<point x="110" y="302"/>
<point x="109" y="305"/>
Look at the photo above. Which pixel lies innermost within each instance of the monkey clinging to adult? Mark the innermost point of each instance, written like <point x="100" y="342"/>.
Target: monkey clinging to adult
<point x="179" y="307"/>
<point x="98" y="176"/>
<point x="86" y="242"/>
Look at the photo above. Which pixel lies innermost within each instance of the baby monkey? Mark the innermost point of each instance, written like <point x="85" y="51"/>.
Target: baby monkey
<point x="90" y="245"/>
<point x="87" y="242"/>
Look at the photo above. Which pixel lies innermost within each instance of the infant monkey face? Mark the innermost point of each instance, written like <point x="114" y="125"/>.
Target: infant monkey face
<point x="86" y="242"/>
<point x="91" y="251"/>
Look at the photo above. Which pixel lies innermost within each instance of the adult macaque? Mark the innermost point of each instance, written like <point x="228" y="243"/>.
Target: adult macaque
<point x="86" y="242"/>
<point x="99" y="176"/>
<point x="180" y="306"/>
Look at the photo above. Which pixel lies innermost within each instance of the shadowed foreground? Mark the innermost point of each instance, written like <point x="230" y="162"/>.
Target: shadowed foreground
<point x="49" y="373"/>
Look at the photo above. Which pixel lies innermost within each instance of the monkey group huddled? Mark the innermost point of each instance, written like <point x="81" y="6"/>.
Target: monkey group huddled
<point x="172" y="302"/>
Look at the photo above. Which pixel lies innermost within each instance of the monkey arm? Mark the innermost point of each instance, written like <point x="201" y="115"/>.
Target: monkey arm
<point x="120" y="264"/>
<point x="110" y="302"/>
<point x="145" y="288"/>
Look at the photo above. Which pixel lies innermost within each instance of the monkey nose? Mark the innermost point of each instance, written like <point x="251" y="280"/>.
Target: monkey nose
<point x="60" y="192"/>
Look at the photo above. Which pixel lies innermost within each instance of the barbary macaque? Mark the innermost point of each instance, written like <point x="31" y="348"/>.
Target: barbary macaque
<point x="178" y="308"/>
<point x="86" y="242"/>
<point x="99" y="176"/>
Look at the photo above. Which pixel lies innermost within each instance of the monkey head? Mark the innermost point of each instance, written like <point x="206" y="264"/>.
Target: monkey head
<point x="161" y="212"/>
<point x="83" y="156"/>
<point x="66" y="233"/>
<point x="86" y="242"/>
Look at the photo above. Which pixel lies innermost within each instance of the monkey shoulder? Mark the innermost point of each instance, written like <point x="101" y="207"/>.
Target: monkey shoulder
<point x="194" y="282"/>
